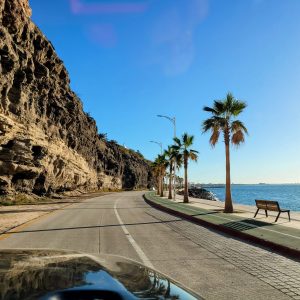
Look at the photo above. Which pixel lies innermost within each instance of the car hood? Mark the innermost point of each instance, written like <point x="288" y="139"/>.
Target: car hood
<point x="34" y="274"/>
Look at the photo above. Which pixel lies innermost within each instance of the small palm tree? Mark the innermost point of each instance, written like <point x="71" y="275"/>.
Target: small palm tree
<point x="179" y="161"/>
<point x="161" y="164"/>
<point x="172" y="156"/>
<point x="223" y="121"/>
<point x="183" y="148"/>
<point x="156" y="173"/>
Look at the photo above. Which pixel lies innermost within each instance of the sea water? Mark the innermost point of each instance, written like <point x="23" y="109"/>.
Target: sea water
<point x="288" y="195"/>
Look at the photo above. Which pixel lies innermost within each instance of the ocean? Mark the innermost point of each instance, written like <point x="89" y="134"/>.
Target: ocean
<point x="288" y="195"/>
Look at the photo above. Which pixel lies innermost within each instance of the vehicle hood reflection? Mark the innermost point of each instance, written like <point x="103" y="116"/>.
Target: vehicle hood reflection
<point x="38" y="274"/>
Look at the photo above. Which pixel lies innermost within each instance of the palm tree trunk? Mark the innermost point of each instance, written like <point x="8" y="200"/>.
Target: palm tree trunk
<point x="158" y="185"/>
<point x="162" y="185"/>
<point x="186" y="192"/>
<point x="228" y="200"/>
<point x="170" y="182"/>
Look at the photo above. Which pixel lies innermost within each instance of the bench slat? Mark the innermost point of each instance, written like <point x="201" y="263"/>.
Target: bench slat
<point x="268" y="205"/>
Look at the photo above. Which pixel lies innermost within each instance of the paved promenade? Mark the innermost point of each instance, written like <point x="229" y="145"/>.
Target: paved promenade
<point x="247" y="211"/>
<point x="282" y="233"/>
<point x="276" y="270"/>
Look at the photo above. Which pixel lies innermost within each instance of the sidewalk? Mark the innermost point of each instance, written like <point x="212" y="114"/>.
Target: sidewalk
<point x="282" y="236"/>
<point x="246" y="211"/>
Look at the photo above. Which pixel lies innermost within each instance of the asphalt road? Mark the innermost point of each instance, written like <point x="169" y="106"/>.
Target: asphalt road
<point x="213" y="265"/>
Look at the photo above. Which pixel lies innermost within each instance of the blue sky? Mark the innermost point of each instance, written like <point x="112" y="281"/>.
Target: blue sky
<point x="131" y="60"/>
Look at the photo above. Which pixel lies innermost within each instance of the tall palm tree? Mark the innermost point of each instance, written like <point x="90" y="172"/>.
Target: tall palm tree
<point x="223" y="120"/>
<point x="183" y="146"/>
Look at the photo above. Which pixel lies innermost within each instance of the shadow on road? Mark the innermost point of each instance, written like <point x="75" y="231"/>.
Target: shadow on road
<point x="103" y="226"/>
<point x="104" y="208"/>
<point x="246" y="224"/>
<point x="8" y="211"/>
<point x="26" y="211"/>
<point x="96" y="226"/>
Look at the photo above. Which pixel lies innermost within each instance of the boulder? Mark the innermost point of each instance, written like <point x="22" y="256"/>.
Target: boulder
<point x="200" y="193"/>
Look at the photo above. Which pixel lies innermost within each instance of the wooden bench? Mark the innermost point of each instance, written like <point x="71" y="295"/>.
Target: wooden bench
<point x="271" y="206"/>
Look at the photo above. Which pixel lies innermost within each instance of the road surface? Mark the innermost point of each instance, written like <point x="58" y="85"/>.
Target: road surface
<point x="214" y="265"/>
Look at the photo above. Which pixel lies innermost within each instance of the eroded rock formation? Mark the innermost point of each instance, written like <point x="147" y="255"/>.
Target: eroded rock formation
<point x="47" y="143"/>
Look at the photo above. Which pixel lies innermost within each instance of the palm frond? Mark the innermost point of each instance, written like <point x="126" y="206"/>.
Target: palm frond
<point x="176" y="147"/>
<point x="212" y="123"/>
<point x="219" y="107"/>
<point x="210" y="109"/>
<point x="228" y="102"/>
<point x="177" y="141"/>
<point x="193" y="155"/>
<point x="187" y="140"/>
<point x="215" y="136"/>
<point x="238" y="138"/>
<point x="237" y="107"/>
<point x="238" y="125"/>
<point x="182" y="148"/>
<point x="209" y="124"/>
<point x="179" y="160"/>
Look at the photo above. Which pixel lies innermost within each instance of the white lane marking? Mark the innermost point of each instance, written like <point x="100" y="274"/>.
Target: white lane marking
<point x="244" y="223"/>
<point x="134" y="244"/>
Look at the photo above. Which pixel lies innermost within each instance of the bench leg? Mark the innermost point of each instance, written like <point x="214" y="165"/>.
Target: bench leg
<point x="256" y="212"/>
<point x="278" y="216"/>
<point x="266" y="212"/>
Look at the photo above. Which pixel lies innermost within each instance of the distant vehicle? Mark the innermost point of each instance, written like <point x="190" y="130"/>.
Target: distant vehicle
<point x="62" y="275"/>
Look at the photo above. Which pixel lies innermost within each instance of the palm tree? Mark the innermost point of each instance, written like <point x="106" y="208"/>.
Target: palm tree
<point x="160" y="164"/>
<point x="156" y="173"/>
<point x="172" y="155"/>
<point x="223" y="120"/>
<point x="183" y="147"/>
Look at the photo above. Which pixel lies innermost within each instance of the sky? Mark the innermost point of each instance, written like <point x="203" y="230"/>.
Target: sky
<point x="132" y="60"/>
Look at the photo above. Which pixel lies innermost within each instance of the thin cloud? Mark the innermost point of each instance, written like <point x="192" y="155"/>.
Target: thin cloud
<point x="173" y="36"/>
<point x="103" y="35"/>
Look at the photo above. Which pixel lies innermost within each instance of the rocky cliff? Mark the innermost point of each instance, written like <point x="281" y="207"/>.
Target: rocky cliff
<point x="47" y="143"/>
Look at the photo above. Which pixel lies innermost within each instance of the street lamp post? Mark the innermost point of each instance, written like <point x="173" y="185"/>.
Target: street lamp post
<point x="159" y="144"/>
<point x="161" y="152"/>
<point x="173" y="120"/>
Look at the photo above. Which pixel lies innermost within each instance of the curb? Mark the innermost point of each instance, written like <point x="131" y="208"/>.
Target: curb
<point x="280" y="249"/>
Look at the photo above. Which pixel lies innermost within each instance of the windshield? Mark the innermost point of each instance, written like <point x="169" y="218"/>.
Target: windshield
<point x="164" y="133"/>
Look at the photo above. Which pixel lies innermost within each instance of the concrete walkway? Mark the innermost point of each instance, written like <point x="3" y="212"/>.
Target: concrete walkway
<point x="283" y="236"/>
<point x="246" y="211"/>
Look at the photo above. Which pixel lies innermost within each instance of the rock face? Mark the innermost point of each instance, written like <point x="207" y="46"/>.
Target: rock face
<point x="47" y="143"/>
